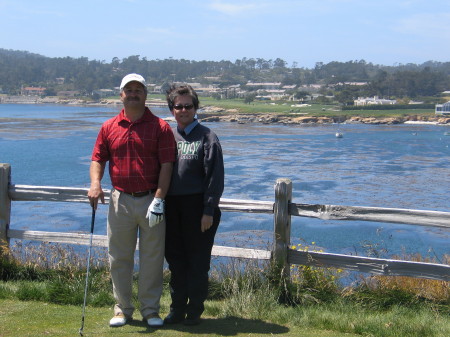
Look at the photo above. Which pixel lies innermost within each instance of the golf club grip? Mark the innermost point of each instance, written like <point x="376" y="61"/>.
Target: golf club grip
<point x="93" y="220"/>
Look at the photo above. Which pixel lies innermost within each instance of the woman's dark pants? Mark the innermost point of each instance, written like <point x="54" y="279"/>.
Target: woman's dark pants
<point x="188" y="253"/>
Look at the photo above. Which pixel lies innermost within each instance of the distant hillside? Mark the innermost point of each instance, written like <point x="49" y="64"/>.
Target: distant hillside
<point x="22" y="68"/>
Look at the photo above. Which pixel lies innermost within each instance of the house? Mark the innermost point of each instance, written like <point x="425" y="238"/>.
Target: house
<point x="102" y="93"/>
<point x="153" y="88"/>
<point x="442" y="109"/>
<point x="363" y="101"/>
<point x="289" y="87"/>
<point x="275" y="94"/>
<point x="195" y="85"/>
<point x="212" y="78"/>
<point x="311" y="87"/>
<point x="68" y="93"/>
<point x="32" y="91"/>
<point x="205" y="90"/>
<point x="358" y="84"/>
<point x="264" y="85"/>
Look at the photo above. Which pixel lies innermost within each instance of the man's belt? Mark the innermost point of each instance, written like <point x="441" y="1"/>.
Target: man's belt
<point x="140" y="194"/>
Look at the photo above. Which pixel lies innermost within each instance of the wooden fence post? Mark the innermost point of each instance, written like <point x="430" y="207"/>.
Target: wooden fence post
<point x="282" y="225"/>
<point x="5" y="204"/>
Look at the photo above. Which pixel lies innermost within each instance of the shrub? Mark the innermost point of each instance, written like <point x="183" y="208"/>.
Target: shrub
<point x="314" y="284"/>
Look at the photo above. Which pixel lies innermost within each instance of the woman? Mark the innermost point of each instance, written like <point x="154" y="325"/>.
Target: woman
<point x="192" y="212"/>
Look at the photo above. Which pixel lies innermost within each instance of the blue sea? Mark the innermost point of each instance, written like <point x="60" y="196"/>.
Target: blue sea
<point x="396" y="166"/>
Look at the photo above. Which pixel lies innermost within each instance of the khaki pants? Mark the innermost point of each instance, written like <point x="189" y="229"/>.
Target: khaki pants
<point x="126" y="219"/>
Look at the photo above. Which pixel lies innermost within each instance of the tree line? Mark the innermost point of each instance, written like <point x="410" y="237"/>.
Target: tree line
<point x="21" y="68"/>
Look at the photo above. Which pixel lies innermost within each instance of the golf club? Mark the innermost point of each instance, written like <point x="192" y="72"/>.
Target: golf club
<point x="87" y="272"/>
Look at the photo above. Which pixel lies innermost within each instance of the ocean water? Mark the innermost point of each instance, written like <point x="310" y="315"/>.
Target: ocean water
<point x="398" y="166"/>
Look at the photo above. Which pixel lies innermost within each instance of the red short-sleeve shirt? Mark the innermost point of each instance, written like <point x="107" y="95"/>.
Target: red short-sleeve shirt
<point x="135" y="150"/>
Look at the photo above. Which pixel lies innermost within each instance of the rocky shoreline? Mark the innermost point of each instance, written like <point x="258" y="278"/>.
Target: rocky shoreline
<point x="216" y="114"/>
<point x="73" y="101"/>
<point x="213" y="114"/>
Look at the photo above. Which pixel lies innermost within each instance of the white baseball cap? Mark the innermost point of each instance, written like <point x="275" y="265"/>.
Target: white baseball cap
<point x="132" y="78"/>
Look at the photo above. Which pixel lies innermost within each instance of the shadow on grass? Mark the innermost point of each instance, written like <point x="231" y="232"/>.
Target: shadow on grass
<point x="230" y="326"/>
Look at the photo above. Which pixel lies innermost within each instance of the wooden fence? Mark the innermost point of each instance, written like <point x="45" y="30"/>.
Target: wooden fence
<point x="282" y="209"/>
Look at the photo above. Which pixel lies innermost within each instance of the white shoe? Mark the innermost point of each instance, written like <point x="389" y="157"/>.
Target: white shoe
<point x="154" y="321"/>
<point x="119" y="319"/>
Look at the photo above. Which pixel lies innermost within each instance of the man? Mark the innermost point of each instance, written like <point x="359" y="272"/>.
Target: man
<point x="140" y="148"/>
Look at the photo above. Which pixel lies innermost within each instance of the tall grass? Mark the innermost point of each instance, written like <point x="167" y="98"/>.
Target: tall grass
<point x="246" y="289"/>
<point x="54" y="273"/>
<point x="314" y="297"/>
<point x="382" y="292"/>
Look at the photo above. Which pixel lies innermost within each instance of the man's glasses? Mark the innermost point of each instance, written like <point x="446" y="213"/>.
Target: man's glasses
<point x="181" y="106"/>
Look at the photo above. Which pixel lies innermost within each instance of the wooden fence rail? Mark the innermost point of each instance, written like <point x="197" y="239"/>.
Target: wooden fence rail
<point x="282" y="209"/>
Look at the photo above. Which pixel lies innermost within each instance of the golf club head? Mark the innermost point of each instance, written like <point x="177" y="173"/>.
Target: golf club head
<point x="81" y="331"/>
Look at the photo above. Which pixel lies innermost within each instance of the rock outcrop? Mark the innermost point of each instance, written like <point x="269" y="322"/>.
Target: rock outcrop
<point x="221" y="115"/>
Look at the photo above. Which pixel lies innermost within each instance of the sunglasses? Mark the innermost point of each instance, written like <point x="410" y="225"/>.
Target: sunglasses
<point x="181" y="106"/>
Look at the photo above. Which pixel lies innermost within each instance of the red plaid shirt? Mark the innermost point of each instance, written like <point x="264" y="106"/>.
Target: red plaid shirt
<point x="135" y="150"/>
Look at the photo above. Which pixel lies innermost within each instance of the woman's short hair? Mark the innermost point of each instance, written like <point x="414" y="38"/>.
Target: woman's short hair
<point x="181" y="90"/>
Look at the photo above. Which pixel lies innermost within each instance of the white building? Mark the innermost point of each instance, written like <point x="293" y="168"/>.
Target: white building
<point x="264" y="85"/>
<point x="363" y="101"/>
<point x="442" y="109"/>
<point x="104" y="92"/>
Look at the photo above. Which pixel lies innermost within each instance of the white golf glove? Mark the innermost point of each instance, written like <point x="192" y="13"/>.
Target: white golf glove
<point x="155" y="212"/>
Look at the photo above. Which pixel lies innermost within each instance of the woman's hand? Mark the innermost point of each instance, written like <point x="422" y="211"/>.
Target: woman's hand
<point x="207" y="221"/>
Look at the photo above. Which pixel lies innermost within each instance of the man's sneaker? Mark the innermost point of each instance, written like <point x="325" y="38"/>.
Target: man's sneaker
<point x="119" y="319"/>
<point x="154" y="321"/>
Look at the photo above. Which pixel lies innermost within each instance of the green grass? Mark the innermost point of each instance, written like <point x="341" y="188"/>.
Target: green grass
<point x="33" y="318"/>
<point x="286" y="108"/>
<point x="42" y="288"/>
<point x="258" y="107"/>
<point x="20" y="319"/>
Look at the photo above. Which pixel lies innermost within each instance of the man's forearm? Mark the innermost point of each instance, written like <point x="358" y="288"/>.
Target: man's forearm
<point x="95" y="191"/>
<point x="96" y="172"/>
<point x="165" y="175"/>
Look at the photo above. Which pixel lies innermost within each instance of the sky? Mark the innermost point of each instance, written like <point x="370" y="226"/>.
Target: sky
<point x="302" y="33"/>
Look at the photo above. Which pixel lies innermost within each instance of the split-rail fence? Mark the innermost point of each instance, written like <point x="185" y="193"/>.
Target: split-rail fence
<point x="282" y="209"/>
